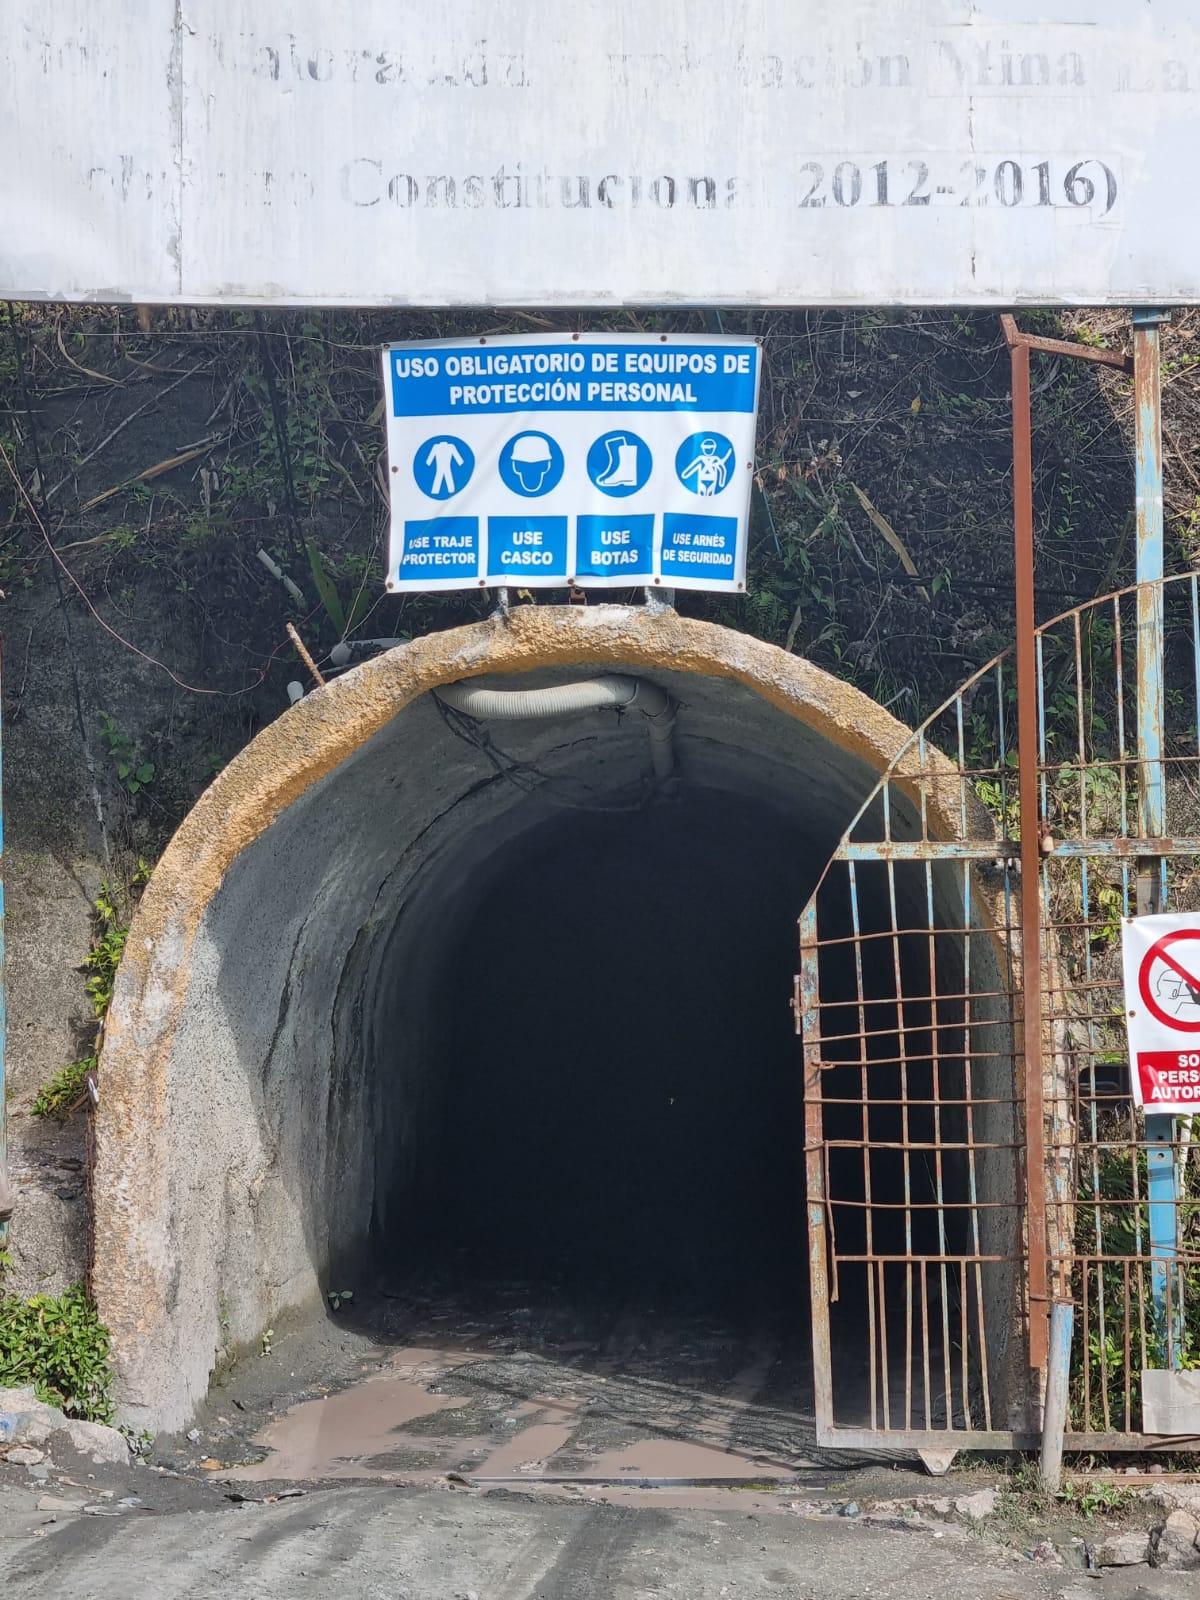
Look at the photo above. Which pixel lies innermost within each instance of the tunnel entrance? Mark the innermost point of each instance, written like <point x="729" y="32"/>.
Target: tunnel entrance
<point x="619" y="1104"/>
<point x="489" y="1025"/>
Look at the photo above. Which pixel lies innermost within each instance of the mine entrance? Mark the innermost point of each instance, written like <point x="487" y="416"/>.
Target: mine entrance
<point x="612" y="1175"/>
<point x="495" y="1027"/>
<point x="608" y="1168"/>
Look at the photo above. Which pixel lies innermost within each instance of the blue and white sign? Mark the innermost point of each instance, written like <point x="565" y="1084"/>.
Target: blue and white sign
<point x="443" y="466"/>
<point x="610" y="461"/>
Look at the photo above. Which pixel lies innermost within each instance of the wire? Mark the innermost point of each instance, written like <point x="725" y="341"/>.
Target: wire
<point x="521" y="774"/>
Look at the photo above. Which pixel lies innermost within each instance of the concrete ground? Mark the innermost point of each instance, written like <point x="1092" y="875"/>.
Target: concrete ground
<point x="374" y="1542"/>
<point x="497" y="1458"/>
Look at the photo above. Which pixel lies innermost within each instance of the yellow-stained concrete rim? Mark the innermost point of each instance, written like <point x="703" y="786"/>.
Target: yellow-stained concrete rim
<point x="132" y="1183"/>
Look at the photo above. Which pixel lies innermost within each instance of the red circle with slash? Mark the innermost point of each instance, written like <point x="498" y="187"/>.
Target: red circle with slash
<point x="1160" y="951"/>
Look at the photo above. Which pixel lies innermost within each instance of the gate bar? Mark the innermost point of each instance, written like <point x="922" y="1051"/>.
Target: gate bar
<point x="1031" y="855"/>
<point x="1162" y="1174"/>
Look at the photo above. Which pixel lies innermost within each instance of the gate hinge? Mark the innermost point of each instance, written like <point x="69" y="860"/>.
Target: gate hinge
<point x="797" y="1004"/>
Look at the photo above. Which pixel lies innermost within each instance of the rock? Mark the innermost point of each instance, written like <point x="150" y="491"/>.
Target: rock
<point x="1175" y="1543"/>
<point x="32" y="1422"/>
<point x="50" y="1502"/>
<point x="194" y="1435"/>
<point x="1123" y="1550"/>
<point x="1045" y="1552"/>
<point x="21" y="1455"/>
<point x="1185" y="1496"/>
<point x="39" y="1474"/>
<point x="850" y="1509"/>
<point x="977" y="1506"/>
<point x="95" y="1440"/>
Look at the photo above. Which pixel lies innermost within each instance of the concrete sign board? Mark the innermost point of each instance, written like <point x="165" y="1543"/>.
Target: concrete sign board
<point x="1161" y="965"/>
<point x="604" y="460"/>
<point x="385" y="152"/>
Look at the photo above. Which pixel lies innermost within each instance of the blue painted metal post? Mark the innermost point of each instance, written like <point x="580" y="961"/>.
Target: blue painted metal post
<point x="1160" y="1130"/>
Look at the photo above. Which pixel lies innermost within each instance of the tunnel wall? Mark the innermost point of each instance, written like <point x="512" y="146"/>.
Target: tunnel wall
<point x="238" y="1139"/>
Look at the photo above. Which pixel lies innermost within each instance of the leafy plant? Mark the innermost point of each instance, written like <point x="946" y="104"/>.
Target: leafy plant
<point x="140" y="1442"/>
<point x="338" y="1298"/>
<point x="58" y="1345"/>
<point x="65" y="1090"/>
<point x="133" y="771"/>
<point x="108" y="946"/>
<point x="1096" y="1499"/>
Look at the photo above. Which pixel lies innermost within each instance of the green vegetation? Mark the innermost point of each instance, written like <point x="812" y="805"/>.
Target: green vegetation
<point x="881" y="535"/>
<point x="58" y="1345"/>
<point x="133" y="773"/>
<point x="65" y="1091"/>
<point x="1024" y="1496"/>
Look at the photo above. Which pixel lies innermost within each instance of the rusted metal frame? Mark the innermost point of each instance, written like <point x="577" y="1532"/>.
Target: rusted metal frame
<point x="1127" y="1374"/>
<point x="1085" y="890"/>
<point x="1003" y="755"/>
<point x="924" y="850"/>
<point x="1179" y="845"/>
<point x="928" y="1257"/>
<point x="987" y="931"/>
<point x="926" y="1205"/>
<point x="935" y="1030"/>
<point x="845" y="1438"/>
<point x="860" y="994"/>
<point x="916" y="1100"/>
<point x="1062" y="347"/>
<point x="1043" y="763"/>
<point x="814" y="1163"/>
<point x="1122" y="748"/>
<point x="946" y="1145"/>
<point x="914" y="999"/>
<point x="888" y="1033"/>
<point x="1114" y="1443"/>
<point x="884" y="1362"/>
<point x="1027" y="774"/>
<point x="1093" y="1112"/>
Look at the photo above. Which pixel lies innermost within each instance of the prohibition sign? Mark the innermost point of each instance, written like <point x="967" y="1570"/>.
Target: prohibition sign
<point x="1160" y="950"/>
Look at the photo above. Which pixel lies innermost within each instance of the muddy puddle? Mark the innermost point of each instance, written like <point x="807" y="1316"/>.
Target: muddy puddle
<point x="499" y="1402"/>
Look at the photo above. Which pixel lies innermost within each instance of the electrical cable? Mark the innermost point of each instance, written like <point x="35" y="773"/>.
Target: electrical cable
<point x="530" y="780"/>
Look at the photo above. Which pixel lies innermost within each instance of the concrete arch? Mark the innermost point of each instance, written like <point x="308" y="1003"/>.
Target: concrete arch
<point x="313" y="890"/>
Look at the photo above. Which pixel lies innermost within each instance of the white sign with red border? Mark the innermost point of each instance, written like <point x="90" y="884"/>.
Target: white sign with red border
<point x="1161" y="964"/>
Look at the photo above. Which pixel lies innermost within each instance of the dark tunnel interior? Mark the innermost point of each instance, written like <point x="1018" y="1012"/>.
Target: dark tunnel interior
<point x="617" y="1117"/>
<point x="632" y="974"/>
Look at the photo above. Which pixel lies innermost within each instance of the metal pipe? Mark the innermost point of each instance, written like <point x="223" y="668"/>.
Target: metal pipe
<point x="1058" y="1381"/>
<point x="1031" y="856"/>
<point x="569" y="699"/>
<point x="1161" y="1165"/>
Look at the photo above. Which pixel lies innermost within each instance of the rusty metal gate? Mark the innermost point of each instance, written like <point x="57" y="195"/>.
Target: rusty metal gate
<point x="972" y="1150"/>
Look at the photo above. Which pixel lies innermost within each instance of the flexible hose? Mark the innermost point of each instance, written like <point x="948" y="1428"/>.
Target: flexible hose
<point x="569" y="699"/>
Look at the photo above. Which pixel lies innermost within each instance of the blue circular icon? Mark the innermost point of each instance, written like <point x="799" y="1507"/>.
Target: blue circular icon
<point x="704" y="464"/>
<point x="443" y="466"/>
<point x="619" y="463"/>
<point x="531" y="464"/>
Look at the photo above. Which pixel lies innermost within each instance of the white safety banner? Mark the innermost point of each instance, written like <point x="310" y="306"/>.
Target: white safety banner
<point x="1161" y="962"/>
<point x="602" y="460"/>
